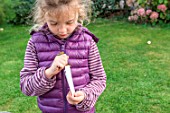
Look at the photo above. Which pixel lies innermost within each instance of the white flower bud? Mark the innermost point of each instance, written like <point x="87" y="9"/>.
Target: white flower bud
<point x="1" y="29"/>
<point x="149" y="42"/>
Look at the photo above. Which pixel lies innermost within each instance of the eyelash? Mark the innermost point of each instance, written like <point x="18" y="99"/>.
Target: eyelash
<point x="68" y="23"/>
<point x="53" y="23"/>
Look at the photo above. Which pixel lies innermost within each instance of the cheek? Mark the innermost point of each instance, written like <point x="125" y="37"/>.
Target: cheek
<point x="52" y="28"/>
<point x="72" y="27"/>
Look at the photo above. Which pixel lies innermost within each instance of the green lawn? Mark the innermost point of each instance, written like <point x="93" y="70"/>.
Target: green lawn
<point x="138" y="76"/>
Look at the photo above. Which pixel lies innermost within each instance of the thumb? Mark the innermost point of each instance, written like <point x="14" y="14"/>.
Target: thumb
<point x="78" y="93"/>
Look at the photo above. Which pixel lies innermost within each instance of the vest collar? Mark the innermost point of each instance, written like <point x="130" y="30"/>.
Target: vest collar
<point x="80" y="30"/>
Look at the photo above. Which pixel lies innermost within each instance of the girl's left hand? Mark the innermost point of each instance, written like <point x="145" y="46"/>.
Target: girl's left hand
<point x="76" y="98"/>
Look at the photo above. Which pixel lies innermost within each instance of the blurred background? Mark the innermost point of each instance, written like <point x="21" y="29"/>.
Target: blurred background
<point x="137" y="11"/>
<point x="134" y="46"/>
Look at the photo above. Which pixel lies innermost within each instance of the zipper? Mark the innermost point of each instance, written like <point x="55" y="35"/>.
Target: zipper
<point x="64" y="85"/>
<point x="64" y="93"/>
<point x="63" y="82"/>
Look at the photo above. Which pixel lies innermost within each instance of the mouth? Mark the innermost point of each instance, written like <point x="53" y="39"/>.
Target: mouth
<point x="63" y="35"/>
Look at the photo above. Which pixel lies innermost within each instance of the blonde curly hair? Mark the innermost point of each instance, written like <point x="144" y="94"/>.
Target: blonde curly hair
<point x="55" y="7"/>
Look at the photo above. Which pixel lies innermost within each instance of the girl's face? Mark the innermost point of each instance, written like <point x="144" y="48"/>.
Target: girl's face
<point x="62" y="26"/>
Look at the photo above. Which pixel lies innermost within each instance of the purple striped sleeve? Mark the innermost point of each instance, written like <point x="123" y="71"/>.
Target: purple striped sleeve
<point x="33" y="81"/>
<point x="98" y="80"/>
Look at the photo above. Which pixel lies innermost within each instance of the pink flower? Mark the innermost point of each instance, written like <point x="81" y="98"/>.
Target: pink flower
<point x="148" y="12"/>
<point x="154" y="15"/>
<point x="135" y="17"/>
<point x="162" y="7"/>
<point x="141" y="12"/>
<point x="130" y="18"/>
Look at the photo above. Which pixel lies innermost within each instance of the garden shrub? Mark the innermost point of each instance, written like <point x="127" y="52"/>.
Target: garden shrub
<point x="6" y="10"/>
<point x="103" y="8"/>
<point x="2" y="15"/>
<point x="151" y="11"/>
<point x="22" y="12"/>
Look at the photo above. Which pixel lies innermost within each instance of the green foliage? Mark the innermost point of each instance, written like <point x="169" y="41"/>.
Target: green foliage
<point x="152" y="4"/>
<point x="103" y="8"/>
<point x="6" y="10"/>
<point x="16" y="11"/>
<point x="22" y="12"/>
<point x="168" y="15"/>
<point x="157" y="7"/>
<point x="2" y="15"/>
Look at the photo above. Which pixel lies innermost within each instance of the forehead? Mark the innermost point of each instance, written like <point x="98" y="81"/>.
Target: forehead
<point x="62" y="14"/>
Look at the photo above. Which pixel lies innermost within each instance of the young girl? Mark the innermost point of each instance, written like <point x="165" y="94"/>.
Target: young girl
<point x="43" y="72"/>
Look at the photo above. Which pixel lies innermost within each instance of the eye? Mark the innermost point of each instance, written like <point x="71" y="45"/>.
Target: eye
<point x="70" y="22"/>
<point x="53" y="24"/>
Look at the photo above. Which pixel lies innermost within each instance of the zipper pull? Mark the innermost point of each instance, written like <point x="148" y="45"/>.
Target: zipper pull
<point x="62" y="48"/>
<point x="60" y="53"/>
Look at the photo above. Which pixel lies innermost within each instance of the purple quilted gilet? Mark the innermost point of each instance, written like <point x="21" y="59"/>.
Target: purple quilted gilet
<point x="77" y="48"/>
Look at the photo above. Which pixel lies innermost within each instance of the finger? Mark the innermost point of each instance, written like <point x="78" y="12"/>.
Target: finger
<point x="65" y="57"/>
<point x="60" y="66"/>
<point x="70" y="98"/>
<point x="79" y="93"/>
<point x="63" y="62"/>
<point x="69" y="93"/>
<point x="76" y="99"/>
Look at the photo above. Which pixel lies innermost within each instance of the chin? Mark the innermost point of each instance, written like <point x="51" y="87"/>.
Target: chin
<point x="63" y="37"/>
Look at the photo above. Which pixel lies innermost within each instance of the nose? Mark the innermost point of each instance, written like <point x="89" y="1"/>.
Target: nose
<point x="62" y="29"/>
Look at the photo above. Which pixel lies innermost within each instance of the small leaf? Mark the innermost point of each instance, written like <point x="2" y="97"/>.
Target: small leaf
<point x="165" y="1"/>
<point x="160" y="1"/>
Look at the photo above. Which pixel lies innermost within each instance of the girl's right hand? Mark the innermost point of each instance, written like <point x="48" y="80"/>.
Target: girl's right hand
<point x="58" y="64"/>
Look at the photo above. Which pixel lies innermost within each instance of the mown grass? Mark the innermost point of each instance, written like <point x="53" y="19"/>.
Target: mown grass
<point x="138" y="76"/>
